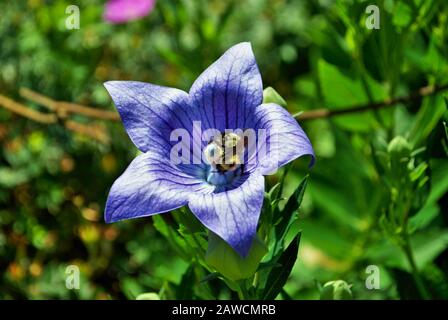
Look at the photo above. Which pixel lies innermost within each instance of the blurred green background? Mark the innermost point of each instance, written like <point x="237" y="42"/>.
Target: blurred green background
<point x="316" y="54"/>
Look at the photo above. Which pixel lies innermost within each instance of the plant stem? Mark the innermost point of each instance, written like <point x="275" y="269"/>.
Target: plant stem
<point x="416" y="275"/>
<point x="327" y="113"/>
<point x="243" y="294"/>
<point x="91" y="112"/>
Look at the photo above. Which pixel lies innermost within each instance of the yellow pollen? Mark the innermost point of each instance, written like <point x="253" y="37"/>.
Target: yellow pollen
<point x="225" y="154"/>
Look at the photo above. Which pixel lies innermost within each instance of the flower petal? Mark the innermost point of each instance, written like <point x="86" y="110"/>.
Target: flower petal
<point x="284" y="140"/>
<point x="232" y="215"/>
<point x="150" y="113"/>
<point x="228" y="91"/>
<point x="151" y="185"/>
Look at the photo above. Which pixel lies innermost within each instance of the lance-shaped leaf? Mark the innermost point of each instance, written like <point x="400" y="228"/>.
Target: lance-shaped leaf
<point x="289" y="215"/>
<point x="184" y="289"/>
<point x="278" y="276"/>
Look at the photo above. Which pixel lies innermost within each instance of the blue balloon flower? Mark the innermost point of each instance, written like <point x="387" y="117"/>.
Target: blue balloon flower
<point x="220" y="176"/>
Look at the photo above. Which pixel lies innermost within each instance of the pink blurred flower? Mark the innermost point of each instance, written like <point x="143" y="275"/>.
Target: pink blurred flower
<point x="120" y="11"/>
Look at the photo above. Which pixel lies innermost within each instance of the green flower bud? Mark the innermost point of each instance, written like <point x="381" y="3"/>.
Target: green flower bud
<point x="399" y="150"/>
<point x="230" y="264"/>
<point x="399" y="147"/>
<point x="272" y="96"/>
<point x="336" y="290"/>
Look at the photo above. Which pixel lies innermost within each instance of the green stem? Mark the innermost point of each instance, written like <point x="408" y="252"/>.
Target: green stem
<point x="243" y="294"/>
<point x="416" y="275"/>
<point x="407" y="249"/>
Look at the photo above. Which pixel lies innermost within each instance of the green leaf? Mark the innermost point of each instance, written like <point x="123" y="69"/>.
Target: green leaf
<point x="426" y="246"/>
<point x="267" y="265"/>
<point x="286" y="170"/>
<point x="210" y="276"/>
<point x="224" y="259"/>
<point x="289" y="214"/>
<point x="341" y="90"/>
<point x="331" y="199"/>
<point x="188" y="221"/>
<point x="423" y="217"/>
<point x="278" y="276"/>
<point x="173" y="237"/>
<point x="326" y="237"/>
<point x="439" y="183"/>
<point x="185" y="288"/>
<point x="336" y="290"/>
<point x="402" y="15"/>
<point x="418" y="171"/>
<point x="296" y="198"/>
<point x="160" y="225"/>
<point x="274" y="192"/>
<point x="272" y="96"/>
<point x="285" y="295"/>
<point x="427" y="118"/>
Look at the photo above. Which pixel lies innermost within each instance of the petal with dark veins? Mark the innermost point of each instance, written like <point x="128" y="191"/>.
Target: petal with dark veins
<point x="233" y="215"/>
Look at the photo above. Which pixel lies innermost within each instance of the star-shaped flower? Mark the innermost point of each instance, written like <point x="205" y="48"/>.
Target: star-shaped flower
<point x="222" y="181"/>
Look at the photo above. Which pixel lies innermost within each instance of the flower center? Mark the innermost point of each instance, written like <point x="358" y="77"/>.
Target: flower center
<point x="224" y="157"/>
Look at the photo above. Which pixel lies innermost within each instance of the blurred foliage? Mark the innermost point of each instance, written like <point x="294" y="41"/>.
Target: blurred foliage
<point x="361" y="192"/>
